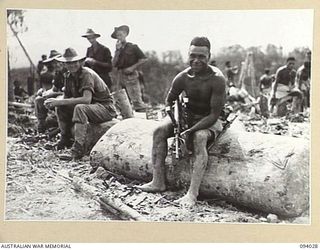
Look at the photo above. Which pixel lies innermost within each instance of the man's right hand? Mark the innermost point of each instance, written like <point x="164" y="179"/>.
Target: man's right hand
<point x="90" y="61"/>
<point x="186" y="147"/>
<point x="118" y="44"/>
<point x="273" y="100"/>
<point x="186" y="134"/>
<point x="40" y="92"/>
<point x="51" y="102"/>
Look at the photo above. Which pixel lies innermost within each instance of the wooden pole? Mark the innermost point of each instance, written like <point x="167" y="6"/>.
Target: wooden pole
<point x="23" y="48"/>
<point x="251" y="74"/>
<point x="20" y="105"/>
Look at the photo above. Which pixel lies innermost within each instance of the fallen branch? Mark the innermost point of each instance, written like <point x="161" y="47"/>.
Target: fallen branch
<point x="20" y="105"/>
<point x="117" y="206"/>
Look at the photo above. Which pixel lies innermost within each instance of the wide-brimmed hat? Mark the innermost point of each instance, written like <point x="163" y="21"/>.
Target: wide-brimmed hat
<point x="125" y="28"/>
<point x="53" y="55"/>
<point x="90" y="32"/>
<point x="70" y="55"/>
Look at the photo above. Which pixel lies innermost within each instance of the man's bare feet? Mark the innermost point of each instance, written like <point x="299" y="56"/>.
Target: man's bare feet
<point x="187" y="201"/>
<point x="152" y="188"/>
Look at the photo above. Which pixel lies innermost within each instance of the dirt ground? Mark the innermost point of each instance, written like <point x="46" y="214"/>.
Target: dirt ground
<point x="40" y="186"/>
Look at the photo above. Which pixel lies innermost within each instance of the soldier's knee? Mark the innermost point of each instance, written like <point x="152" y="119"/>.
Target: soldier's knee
<point x="201" y="136"/>
<point x="200" y="139"/>
<point x="159" y="132"/>
<point x="80" y="107"/>
<point x="162" y="131"/>
<point x="39" y="99"/>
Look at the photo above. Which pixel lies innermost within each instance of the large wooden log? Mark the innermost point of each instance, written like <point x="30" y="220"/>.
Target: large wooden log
<point x="95" y="131"/>
<point x="260" y="171"/>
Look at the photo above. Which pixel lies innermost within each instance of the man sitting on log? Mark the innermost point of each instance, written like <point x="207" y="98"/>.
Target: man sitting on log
<point x="205" y="87"/>
<point x="86" y="99"/>
<point x="19" y="93"/>
<point x="52" y="82"/>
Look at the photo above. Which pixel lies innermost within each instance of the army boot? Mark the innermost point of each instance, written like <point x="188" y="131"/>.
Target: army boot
<point x="78" y="149"/>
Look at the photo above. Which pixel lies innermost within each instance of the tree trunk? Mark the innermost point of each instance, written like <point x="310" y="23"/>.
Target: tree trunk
<point x="260" y="171"/>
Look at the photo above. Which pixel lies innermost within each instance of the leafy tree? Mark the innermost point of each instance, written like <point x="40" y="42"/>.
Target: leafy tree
<point x="299" y="54"/>
<point x="235" y="54"/>
<point x="15" y="20"/>
<point x="159" y="74"/>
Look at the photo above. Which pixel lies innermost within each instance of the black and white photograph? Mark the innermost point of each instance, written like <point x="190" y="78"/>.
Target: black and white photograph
<point x="193" y="116"/>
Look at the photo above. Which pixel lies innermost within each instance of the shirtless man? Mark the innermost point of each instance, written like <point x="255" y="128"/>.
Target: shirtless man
<point x="302" y="82"/>
<point x="204" y="85"/>
<point x="265" y="82"/>
<point x="283" y="88"/>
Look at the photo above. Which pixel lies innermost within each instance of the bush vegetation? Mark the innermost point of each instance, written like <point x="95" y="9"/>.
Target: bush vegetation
<point x="160" y="70"/>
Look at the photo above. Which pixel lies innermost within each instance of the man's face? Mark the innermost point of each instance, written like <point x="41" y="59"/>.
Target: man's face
<point x="73" y="67"/>
<point x="290" y="64"/>
<point x="57" y="65"/>
<point x="308" y="56"/>
<point x="198" y="58"/>
<point x="91" y="39"/>
<point x="121" y="35"/>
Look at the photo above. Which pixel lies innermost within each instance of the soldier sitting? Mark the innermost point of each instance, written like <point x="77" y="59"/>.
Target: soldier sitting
<point x="86" y="99"/>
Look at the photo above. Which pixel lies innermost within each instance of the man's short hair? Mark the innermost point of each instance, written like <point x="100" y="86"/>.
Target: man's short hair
<point x="16" y="83"/>
<point x="228" y="63"/>
<point x="291" y="58"/>
<point x="201" y="41"/>
<point x="307" y="65"/>
<point x="213" y="63"/>
<point x="267" y="70"/>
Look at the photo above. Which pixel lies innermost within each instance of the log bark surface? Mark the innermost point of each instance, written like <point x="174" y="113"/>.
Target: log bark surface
<point x="96" y="131"/>
<point x="261" y="171"/>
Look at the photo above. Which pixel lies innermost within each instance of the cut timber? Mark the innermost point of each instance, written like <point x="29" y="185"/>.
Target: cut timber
<point x="113" y="205"/>
<point x="261" y="171"/>
<point x="20" y="105"/>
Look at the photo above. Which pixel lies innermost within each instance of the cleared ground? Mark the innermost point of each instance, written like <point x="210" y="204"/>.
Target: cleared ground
<point x="39" y="186"/>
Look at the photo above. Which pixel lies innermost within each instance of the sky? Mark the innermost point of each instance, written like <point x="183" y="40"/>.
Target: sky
<point x="160" y="30"/>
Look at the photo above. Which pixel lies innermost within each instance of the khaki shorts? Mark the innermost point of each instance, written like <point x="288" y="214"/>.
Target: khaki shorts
<point x="216" y="128"/>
